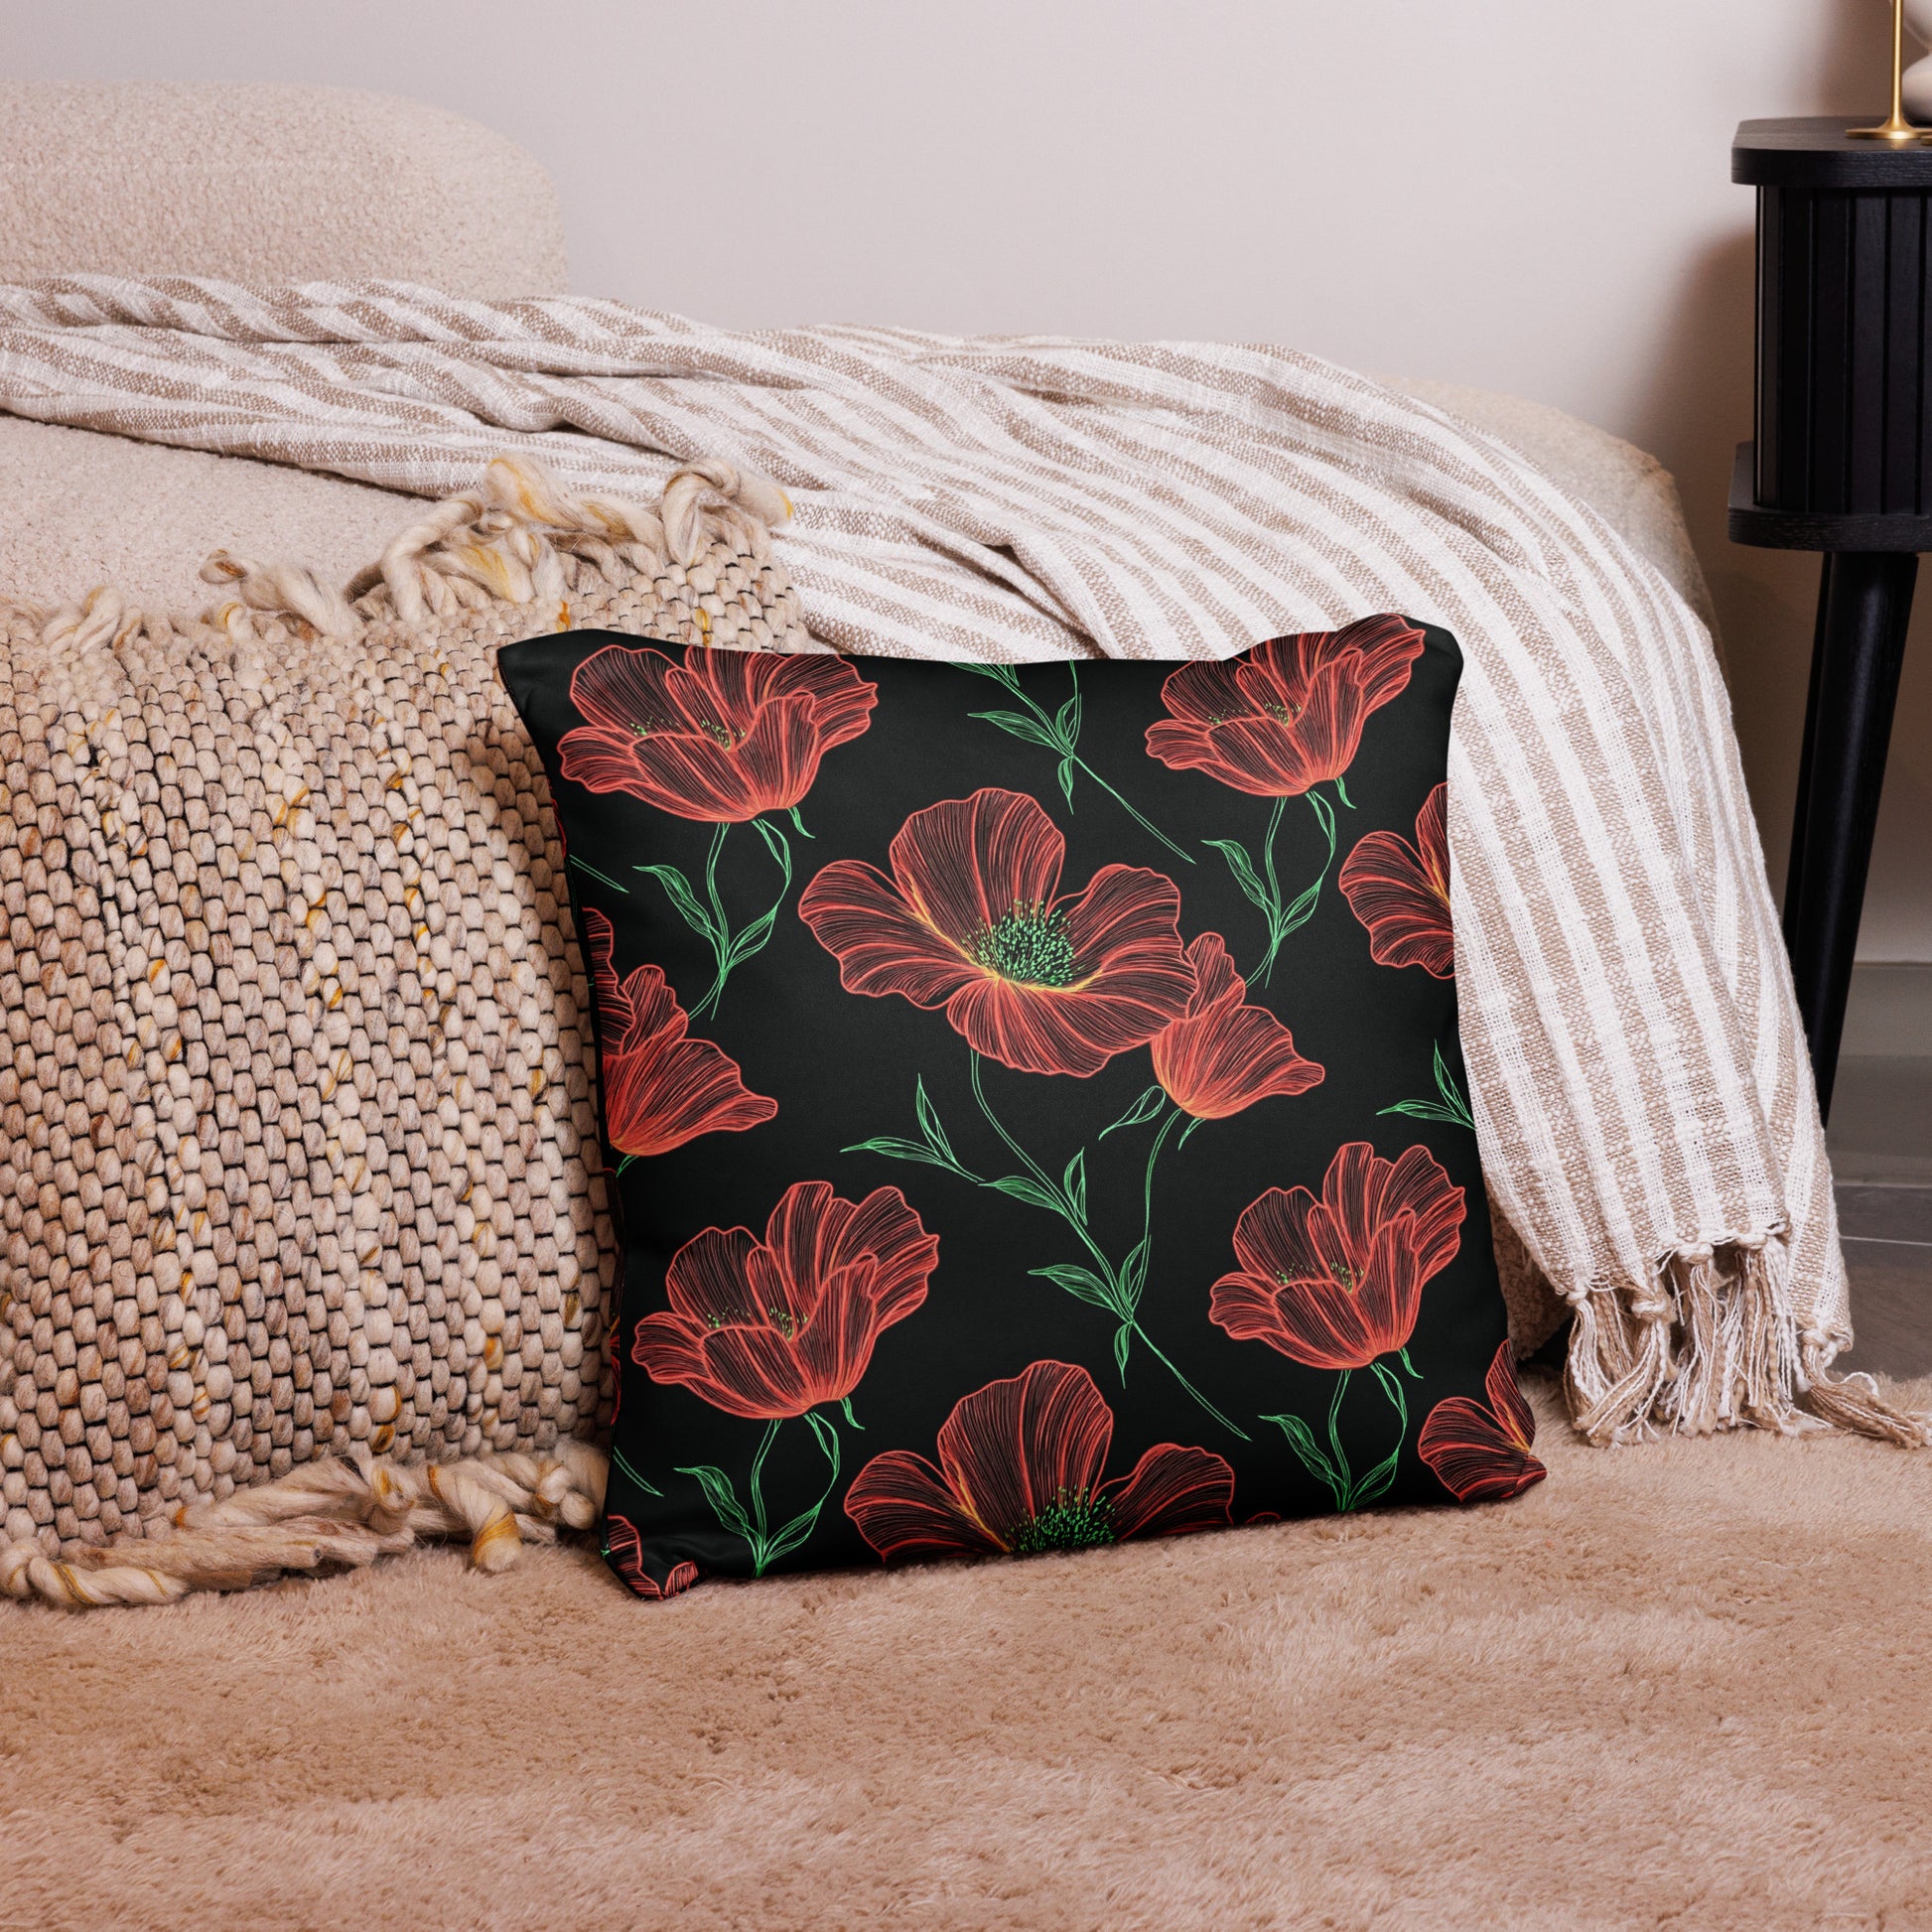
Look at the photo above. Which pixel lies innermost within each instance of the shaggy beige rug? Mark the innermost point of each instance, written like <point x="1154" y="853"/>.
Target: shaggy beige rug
<point x="1546" y="1714"/>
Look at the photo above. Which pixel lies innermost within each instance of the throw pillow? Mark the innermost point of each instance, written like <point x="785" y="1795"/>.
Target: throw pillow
<point x="1033" y="1095"/>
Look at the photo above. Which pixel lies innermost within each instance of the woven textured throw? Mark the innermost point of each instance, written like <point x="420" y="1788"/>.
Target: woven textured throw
<point x="298" y="1152"/>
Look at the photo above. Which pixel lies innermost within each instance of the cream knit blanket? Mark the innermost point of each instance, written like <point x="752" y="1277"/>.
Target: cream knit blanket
<point x="1640" y="1081"/>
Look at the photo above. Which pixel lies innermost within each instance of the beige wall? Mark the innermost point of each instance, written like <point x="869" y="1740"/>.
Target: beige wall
<point x="1531" y="195"/>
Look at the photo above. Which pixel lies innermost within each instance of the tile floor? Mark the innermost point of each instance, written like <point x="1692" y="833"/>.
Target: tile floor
<point x="1880" y="1139"/>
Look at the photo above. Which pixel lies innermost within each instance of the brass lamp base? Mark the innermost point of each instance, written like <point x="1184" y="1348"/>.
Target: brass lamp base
<point x="1896" y="127"/>
<point x="1905" y="131"/>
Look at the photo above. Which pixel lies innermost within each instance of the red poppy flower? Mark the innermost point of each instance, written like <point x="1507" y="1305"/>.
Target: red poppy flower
<point x="1222" y="1055"/>
<point x="1400" y="892"/>
<point x="774" y="1327"/>
<point x="1287" y="714"/>
<point x="721" y="737"/>
<point x="1483" y="1454"/>
<point x="1336" y="1281"/>
<point x="1019" y="1470"/>
<point x="627" y="1550"/>
<point x="660" y="1089"/>
<point x="969" y="921"/>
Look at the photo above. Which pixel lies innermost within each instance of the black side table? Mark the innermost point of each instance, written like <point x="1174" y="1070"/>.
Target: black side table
<point x="1842" y="464"/>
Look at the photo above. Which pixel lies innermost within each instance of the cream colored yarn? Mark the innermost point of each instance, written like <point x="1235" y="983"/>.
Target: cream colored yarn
<point x="299" y="1179"/>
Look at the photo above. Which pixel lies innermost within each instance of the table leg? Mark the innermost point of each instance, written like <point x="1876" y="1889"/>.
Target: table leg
<point x="1864" y="600"/>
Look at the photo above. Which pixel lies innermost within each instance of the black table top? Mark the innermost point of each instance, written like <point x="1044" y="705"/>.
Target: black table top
<point x="1814" y="151"/>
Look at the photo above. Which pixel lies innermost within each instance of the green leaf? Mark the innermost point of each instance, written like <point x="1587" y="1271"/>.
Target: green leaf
<point x="788" y="1538"/>
<point x="1452" y="1094"/>
<point x="1066" y="781"/>
<point x="798" y="825"/>
<point x="685" y="900"/>
<point x="752" y="939"/>
<point x="930" y="1120"/>
<point x="1422" y="1110"/>
<point x="1303" y="910"/>
<point x="1143" y="1110"/>
<point x="1133" y="1272"/>
<point x="1391" y="1388"/>
<point x="1081" y="1282"/>
<point x="1029" y="1191"/>
<point x="852" y="1421"/>
<point x="1074" y="1182"/>
<point x="1123" y="1342"/>
<point x="1020" y="726"/>
<point x="1244" y="872"/>
<point x="1000" y="673"/>
<point x="897" y="1149"/>
<point x="1301" y="1439"/>
<point x="1341" y="793"/>
<point x="1374" y="1483"/>
<point x="1066" y="721"/>
<point x="717" y="1488"/>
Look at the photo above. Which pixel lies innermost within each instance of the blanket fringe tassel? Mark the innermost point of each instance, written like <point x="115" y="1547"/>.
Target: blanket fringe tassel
<point x="518" y="537"/>
<point x="340" y="1512"/>
<point x="1711" y="1343"/>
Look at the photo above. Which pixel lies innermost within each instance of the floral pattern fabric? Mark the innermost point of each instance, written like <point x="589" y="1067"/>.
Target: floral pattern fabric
<point x="1012" y="1106"/>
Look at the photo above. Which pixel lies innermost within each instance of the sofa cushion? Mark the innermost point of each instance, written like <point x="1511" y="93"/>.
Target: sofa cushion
<point x="268" y="184"/>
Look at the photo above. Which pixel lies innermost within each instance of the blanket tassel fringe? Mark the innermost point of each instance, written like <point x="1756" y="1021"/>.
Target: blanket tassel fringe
<point x="1712" y="1344"/>
<point x="338" y="1512"/>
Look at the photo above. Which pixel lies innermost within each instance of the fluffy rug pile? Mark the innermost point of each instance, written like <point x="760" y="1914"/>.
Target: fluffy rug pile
<point x="1688" y="1684"/>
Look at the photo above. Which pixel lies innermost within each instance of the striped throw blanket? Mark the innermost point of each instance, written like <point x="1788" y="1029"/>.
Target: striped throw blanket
<point x="1640" y="1082"/>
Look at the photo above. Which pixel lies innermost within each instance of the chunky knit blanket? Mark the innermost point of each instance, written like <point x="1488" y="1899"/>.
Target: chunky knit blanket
<point x="1640" y="1081"/>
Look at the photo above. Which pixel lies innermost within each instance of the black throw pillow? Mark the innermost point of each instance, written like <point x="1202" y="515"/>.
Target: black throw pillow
<point x="1032" y="1095"/>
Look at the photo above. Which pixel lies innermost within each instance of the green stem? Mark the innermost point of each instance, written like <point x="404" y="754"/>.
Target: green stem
<point x="649" y="1489"/>
<point x="1277" y="928"/>
<point x="1282" y="922"/>
<point x="1379" y="1477"/>
<point x="1062" y="1206"/>
<point x="1160" y="1355"/>
<point x="758" y="1471"/>
<point x="602" y="878"/>
<point x="767" y="1549"/>
<point x="1140" y="818"/>
<point x="1063" y="744"/>
<point x="1345" y="1497"/>
<point x="1268" y="854"/>
<point x="720" y="934"/>
<point x="1125" y="1304"/>
<point x="732" y="949"/>
<point x="1145" y="1250"/>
